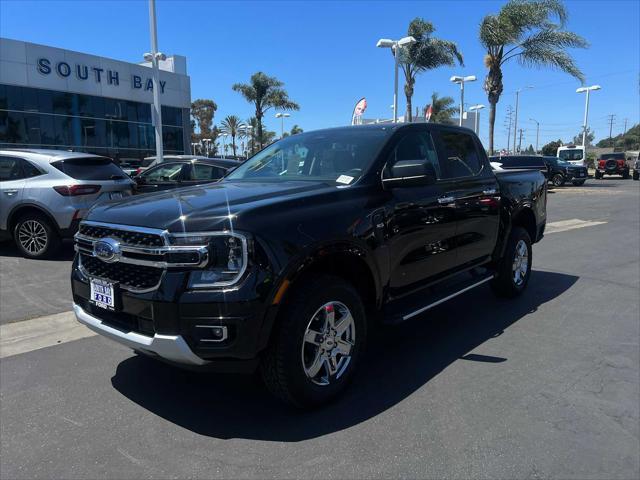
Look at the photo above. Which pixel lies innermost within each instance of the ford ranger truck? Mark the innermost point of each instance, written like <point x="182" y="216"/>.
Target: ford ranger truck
<point x="288" y="262"/>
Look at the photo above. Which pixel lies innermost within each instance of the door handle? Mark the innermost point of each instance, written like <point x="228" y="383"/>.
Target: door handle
<point x="10" y="193"/>
<point x="446" y="200"/>
<point x="490" y="191"/>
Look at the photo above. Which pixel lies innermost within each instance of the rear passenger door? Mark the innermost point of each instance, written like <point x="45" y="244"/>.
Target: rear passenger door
<point x="12" y="181"/>
<point x="472" y="190"/>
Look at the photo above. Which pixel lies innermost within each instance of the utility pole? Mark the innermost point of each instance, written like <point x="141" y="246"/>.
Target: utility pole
<point x="611" y="119"/>
<point x="509" y="118"/>
<point x="537" y="132"/>
<point x="625" y="127"/>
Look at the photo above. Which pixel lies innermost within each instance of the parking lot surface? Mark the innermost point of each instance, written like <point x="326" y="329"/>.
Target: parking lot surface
<point x="546" y="385"/>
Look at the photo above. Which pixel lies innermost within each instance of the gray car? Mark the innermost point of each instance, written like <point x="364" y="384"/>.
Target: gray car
<point x="45" y="193"/>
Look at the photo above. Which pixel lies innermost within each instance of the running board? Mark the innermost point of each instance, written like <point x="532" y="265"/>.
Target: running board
<point x="398" y="313"/>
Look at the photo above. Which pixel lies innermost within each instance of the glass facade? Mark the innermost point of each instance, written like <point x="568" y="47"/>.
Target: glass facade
<point x="121" y="129"/>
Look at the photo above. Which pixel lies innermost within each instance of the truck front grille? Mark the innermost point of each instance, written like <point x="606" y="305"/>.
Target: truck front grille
<point x="130" y="237"/>
<point x="129" y="276"/>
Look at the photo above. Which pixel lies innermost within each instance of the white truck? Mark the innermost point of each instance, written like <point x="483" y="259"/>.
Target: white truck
<point x="574" y="154"/>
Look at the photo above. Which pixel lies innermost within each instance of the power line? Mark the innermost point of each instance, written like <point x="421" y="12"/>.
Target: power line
<point x="611" y="120"/>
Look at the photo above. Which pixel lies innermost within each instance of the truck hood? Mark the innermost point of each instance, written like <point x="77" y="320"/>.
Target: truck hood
<point x="201" y="208"/>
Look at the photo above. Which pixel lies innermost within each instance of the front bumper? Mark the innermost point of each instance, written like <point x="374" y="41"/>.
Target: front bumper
<point x="169" y="347"/>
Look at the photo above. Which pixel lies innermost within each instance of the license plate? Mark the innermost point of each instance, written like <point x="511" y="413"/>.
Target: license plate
<point x="581" y="174"/>
<point x="103" y="294"/>
<point x="115" y="195"/>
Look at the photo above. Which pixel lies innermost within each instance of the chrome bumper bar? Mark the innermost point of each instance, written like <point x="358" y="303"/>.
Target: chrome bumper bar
<point x="170" y="347"/>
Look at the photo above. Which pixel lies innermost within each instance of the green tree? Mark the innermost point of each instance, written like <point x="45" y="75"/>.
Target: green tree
<point x="442" y="109"/>
<point x="265" y="92"/>
<point x="203" y="111"/>
<point x="577" y="140"/>
<point x="525" y="30"/>
<point x="426" y="53"/>
<point x="551" y="148"/>
<point x="232" y="125"/>
<point x="295" y="130"/>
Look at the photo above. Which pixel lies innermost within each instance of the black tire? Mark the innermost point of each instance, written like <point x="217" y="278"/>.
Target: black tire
<point x="625" y="175"/>
<point x="578" y="183"/>
<point x="505" y="285"/>
<point x="35" y="237"/>
<point x="636" y="175"/>
<point x="598" y="175"/>
<point x="558" y="180"/>
<point x="283" y="368"/>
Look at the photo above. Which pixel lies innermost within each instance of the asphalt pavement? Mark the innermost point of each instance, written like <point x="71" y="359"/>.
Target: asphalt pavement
<point x="546" y="385"/>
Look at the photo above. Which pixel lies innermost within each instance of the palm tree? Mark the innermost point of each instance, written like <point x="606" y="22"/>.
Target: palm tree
<point x="442" y="109"/>
<point x="296" y="129"/>
<point x="524" y="30"/>
<point x="232" y="125"/>
<point x="265" y="92"/>
<point x="426" y="53"/>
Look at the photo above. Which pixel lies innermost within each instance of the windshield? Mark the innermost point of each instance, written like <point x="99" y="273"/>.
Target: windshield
<point x="612" y="156"/>
<point x="340" y="156"/>
<point x="573" y="154"/>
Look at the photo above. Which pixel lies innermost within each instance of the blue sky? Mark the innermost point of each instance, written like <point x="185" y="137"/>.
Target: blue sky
<point x="325" y="53"/>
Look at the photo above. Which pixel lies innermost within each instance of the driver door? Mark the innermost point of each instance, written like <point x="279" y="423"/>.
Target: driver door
<point x="165" y="176"/>
<point x="421" y="228"/>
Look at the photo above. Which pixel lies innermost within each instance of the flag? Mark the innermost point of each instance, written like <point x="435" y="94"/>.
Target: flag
<point x="359" y="109"/>
<point x="427" y="113"/>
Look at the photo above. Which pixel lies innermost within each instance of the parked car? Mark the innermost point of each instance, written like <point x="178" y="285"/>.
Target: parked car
<point x="526" y="162"/>
<point x="574" y="154"/>
<point x="181" y="173"/>
<point x="283" y="264"/>
<point x="561" y="172"/>
<point x="45" y="193"/>
<point x="149" y="162"/>
<point x="636" y="169"/>
<point x="612" y="164"/>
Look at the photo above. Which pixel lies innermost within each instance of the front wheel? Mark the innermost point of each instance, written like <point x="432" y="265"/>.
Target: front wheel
<point x="35" y="236"/>
<point x="558" y="180"/>
<point x="625" y="175"/>
<point x="598" y="175"/>
<point x="636" y="175"/>
<point x="577" y="183"/>
<point x="514" y="269"/>
<point x="316" y="346"/>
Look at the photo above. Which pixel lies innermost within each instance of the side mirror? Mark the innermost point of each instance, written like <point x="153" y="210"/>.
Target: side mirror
<point x="138" y="179"/>
<point x="410" y="173"/>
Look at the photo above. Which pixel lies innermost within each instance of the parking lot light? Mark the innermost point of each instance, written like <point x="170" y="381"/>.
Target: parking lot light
<point x="462" y="80"/>
<point x="586" y="113"/>
<point x="475" y="108"/>
<point x="282" y="116"/>
<point x="395" y="46"/>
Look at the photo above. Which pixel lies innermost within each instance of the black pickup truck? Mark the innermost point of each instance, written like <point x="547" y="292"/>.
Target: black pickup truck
<point x="287" y="262"/>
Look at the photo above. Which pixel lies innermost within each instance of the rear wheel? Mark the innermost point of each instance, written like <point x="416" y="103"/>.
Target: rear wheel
<point x="316" y="347"/>
<point x="636" y="175"/>
<point x="598" y="175"/>
<point x="558" y="180"/>
<point x="35" y="236"/>
<point x="514" y="269"/>
<point x="625" y="175"/>
<point x="577" y="183"/>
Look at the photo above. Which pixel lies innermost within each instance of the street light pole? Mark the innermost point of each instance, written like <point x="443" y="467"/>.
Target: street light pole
<point x="395" y="46"/>
<point x="537" y="132"/>
<point x="475" y="109"/>
<point x="282" y="116"/>
<point x="154" y="56"/>
<point x="461" y="81"/>
<point x="586" y="112"/>
<point x="515" y="122"/>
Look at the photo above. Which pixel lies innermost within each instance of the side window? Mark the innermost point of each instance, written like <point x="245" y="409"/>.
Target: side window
<point x="10" y="169"/>
<point x="416" y="146"/>
<point x="203" y="171"/>
<point x="30" y="170"/>
<point x="461" y="157"/>
<point x="165" y="173"/>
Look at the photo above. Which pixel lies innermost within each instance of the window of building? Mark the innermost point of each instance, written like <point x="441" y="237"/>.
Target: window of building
<point x="461" y="157"/>
<point x="3" y="97"/>
<point x="14" y="98"/>
<point x="45" y="101"/>
<point x="15" y="128"/>
<point x="62" y="130"/>
<point x="32" y="129"/>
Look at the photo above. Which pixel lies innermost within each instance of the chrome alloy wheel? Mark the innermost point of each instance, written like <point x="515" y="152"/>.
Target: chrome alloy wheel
<point x="520" y="263"/>
<point x="33" y="237"/>
<point x="328" y="342"/>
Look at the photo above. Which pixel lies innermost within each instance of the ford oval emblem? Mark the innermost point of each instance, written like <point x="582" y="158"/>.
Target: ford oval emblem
<point x="107" y="249"/>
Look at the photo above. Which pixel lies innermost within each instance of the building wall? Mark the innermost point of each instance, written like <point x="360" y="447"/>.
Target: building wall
<point x="58" y="98"/>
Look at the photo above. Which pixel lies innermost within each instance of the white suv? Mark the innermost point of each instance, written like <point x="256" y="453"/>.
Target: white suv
<point x="45" y="193"/>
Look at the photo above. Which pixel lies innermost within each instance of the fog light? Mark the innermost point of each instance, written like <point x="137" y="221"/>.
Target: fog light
<point x="212" y="333"/>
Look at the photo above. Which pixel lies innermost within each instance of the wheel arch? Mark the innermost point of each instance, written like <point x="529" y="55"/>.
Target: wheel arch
<point x="24" y="208"/>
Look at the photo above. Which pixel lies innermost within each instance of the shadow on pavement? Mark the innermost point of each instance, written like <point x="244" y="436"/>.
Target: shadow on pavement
<point x="399" y="361"/>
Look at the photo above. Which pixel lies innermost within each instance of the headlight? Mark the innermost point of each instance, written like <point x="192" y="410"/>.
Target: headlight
<point x="227" y="257"/>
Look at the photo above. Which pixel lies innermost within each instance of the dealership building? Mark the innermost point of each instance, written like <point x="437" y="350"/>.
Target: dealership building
<point x="55" y="98"/>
